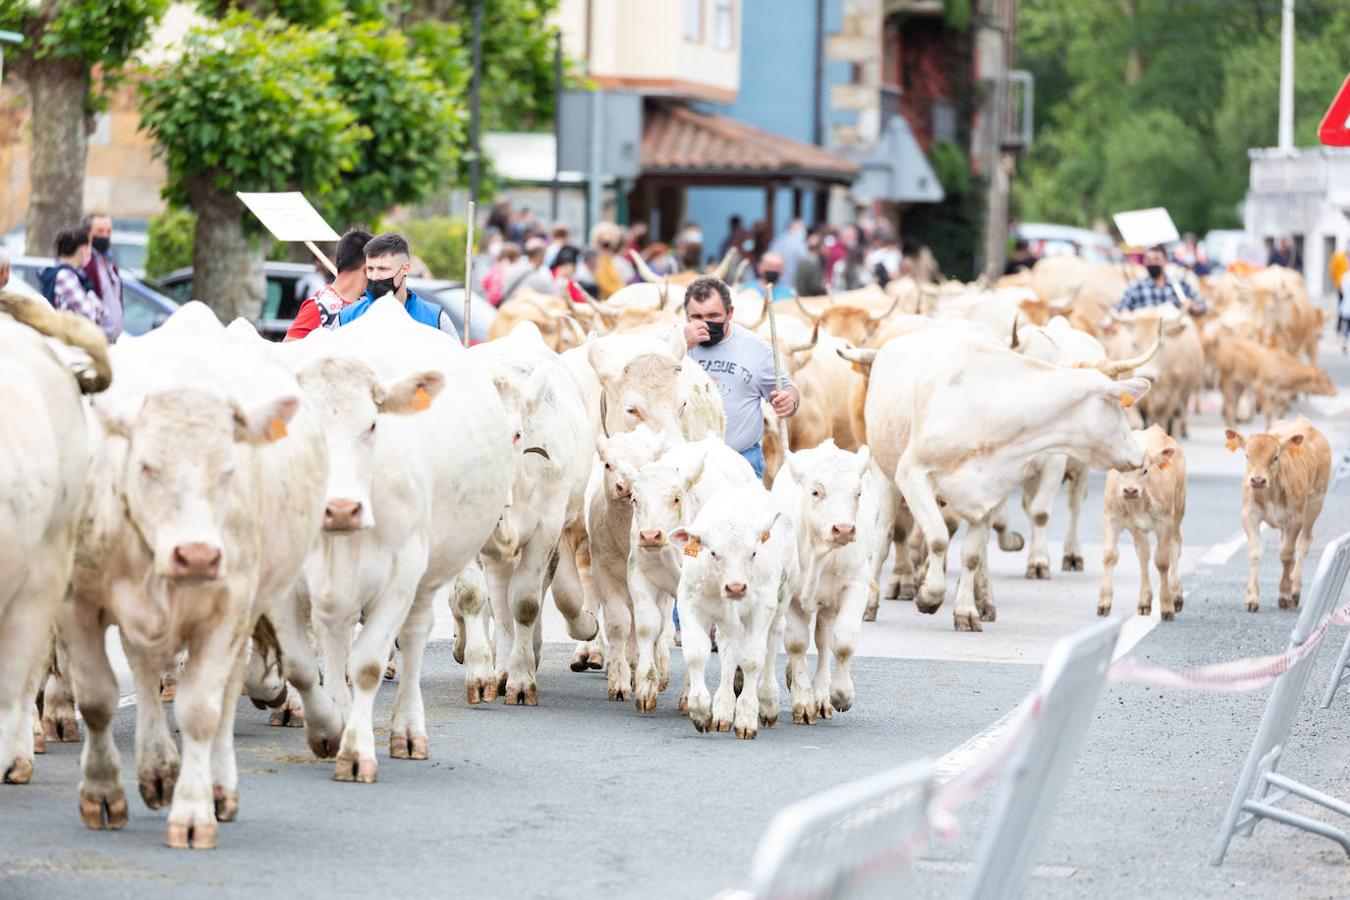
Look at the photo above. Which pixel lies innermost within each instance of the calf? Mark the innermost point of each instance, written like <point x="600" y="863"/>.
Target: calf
<point x="667" y="495"/>
<point x="825" y="494"/>
<point x="1288" y="469"/>
<point x="44" y="464"/>
<point x="1271" y="374"/>
<point x="739" y="573"/>
<point x="1144" y="500"/>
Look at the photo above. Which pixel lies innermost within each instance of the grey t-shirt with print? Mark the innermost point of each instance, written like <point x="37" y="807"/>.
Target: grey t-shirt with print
<point x="741" y="367"/>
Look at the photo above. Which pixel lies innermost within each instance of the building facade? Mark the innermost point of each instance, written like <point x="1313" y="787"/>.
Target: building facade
<point x="1304" y="195"/>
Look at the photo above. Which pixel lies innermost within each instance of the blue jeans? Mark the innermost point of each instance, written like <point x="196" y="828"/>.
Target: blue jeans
<point x="755" y="457"/>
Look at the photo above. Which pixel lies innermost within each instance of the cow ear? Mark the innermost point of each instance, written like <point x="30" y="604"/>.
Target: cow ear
<point x="681" y="536"/>
<point x="599" y="359"/>
<point x="536" y="389"/>
<point x="1234" y="441"/>
<point x="795" y="466"/>
<point x="1294" y="444"/>
<point x="116" y="418"/>
<point x="696" y="472"/>
<point x="676" y="347"/>
<point x="264" y="422"/>
<point x="864" y="457"/>
<point x="1127" y="392"/>
<point x="410" y="394"/>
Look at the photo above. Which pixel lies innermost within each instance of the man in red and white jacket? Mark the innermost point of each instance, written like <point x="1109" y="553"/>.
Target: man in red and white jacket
<point x="321" y="310"/>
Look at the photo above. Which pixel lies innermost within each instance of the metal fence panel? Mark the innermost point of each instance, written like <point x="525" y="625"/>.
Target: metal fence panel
<point x="1259" y="787"/>
<point x="1070" y="685"/>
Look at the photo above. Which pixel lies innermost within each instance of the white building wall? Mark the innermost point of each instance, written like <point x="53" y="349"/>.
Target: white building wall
<point x="1307" y="194"/>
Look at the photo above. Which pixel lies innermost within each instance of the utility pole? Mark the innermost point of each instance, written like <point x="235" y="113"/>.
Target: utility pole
<point x="1287" y="78"/>
<point x="557" y="121"/>
<point x="475" y="101"/>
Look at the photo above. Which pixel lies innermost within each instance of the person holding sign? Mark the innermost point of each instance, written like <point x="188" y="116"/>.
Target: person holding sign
<point x="388" y="262"/>
<point x="1156" y="288"/>
<point x="321" y="310"/>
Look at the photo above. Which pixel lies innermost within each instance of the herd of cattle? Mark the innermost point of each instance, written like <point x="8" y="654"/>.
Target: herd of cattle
<point x="252" y="515"/>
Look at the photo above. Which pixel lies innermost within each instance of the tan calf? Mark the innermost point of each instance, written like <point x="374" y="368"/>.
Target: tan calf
<point x="1286" y="481"/>
<point x="1271" y="374"/>
<point x="1148" y="500"/>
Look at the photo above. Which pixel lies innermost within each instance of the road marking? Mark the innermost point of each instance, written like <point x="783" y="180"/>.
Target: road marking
<point x="1223" y="551"/>
<point x="959" y="867"/>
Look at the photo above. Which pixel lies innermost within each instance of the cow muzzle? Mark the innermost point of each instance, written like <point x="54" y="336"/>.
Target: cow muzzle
<point x="736" y="590"/>
<point x="651" y="540"/>
<point x="622" y="491"/>
<point x="195" y="561"/>
<point x="342" y="515"/>
<point x="1129" y="493"/>
<point x="1257" y="481"/>
<point x="843" y="534"/>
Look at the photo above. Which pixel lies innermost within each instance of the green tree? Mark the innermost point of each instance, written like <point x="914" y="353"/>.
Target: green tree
<point x="64" y="41"/>
<point x="344" y="113"/>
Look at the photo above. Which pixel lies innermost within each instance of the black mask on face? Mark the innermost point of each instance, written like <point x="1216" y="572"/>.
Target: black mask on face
<point x="381" y="286"/>
<point x="1154" y="271"/>
<point x="770" y="277"/>
<point x="716" y="331"/>
<point x="101" y="244"/>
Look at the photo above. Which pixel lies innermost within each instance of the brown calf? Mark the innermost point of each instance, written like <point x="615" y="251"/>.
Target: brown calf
<point x="1273" y="375"/>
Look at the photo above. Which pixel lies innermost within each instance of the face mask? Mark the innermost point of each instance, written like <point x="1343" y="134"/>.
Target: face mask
<point x="716" y="331"/>
<point x="770" y="277"/>
<point x="1154" y="271"/>
<point x="378" y="287"/>
<point x="101" y="244"/>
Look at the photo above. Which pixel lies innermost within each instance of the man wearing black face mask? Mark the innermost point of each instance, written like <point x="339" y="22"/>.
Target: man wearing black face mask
<point x="388" y="262"/>
<point x="1157" y="289"/>
<point x="103" y="275"/>
<point x="739" y="362"/>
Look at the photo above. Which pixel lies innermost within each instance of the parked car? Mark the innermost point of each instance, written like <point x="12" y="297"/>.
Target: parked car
<point x="1066" y="240"/>
<point x="281" y="303"/>
<point x="129" y="242"/>
<point x="144" y="307"/>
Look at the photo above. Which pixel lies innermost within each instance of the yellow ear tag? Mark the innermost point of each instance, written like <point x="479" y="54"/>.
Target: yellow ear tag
<point x="764" y="538"/>
<point x="1126" y="401"/>
<point x="1164" y="466"/>
<point x="693" y="548"/>
<point x="276" y="430"/>
<point x="1294" y="451"/>
<point x="1232" y="445"/>
<point x="420" y="399"/>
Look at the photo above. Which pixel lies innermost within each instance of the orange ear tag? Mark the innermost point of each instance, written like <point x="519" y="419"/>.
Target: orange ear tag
<point x="1294" y="451"/>
<point x="693" y="548"/>
<point x="1164" y="466"/>
<point x="764" y="538"/>
<point x="420" y="399"/>
<point x="1232" y="445"/>
<point x="276" y="430"/>
<point x="1126" y="401"/>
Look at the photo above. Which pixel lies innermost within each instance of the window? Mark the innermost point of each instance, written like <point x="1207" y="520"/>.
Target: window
<point x="693" y="21"/>
<point x="723" y="26"/>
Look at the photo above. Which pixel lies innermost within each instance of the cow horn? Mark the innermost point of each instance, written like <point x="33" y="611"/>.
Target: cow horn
<point x="887" y="314"/>
<point x="860" y="357"/>
<point x="802" y="348"/>
<point x="1112" y="368"/>
<point x="1014" y="343"/>
<point x="576" y="327"/>
<point x="723" y="267"/>
<point x="763" y="313"/>
<point x="68" y="328"/>
<point x="829" y="295"/>
<point x="643" y="269"/>
<point x="740" y="271"/>
<point x="664" y="294"/>
<point x="806" y="312"/>
<point x="604" y="413"/>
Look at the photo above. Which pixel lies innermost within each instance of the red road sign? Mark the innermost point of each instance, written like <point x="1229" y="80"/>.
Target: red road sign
<point x="1334" y="130"/>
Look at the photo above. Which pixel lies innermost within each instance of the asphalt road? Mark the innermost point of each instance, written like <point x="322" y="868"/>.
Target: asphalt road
<point x="581" y="797"/>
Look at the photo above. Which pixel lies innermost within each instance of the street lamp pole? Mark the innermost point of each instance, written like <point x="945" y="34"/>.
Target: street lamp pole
<point x="475" y="101"/>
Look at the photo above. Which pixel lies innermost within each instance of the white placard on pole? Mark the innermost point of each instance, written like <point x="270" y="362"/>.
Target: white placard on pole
<point x="290" y="217"/>
<point x="1146" y="227"/>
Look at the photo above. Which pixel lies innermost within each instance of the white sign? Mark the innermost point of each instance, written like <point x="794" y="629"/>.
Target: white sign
<point x="289" y="216"/>
<point x="1146" y="227"/>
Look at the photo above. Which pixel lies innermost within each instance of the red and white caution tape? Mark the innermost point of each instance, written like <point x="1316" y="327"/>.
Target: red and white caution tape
<point x="953" y="794"/>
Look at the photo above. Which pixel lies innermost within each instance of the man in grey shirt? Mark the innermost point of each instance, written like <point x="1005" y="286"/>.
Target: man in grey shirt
<point x="740" y="364"/>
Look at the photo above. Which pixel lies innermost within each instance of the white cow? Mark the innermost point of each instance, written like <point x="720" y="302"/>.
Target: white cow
<point x="609" y="519"/>
<point x="826" y="494"/>
<point x="44" y="458"/>
<point x="959" y="418"/>
<point x="669" y="493"/>
<point x="420" y="466"/>
<point x="540" y="533"/>
<point x="740" y="570"/>
<point x="207" y="497"/>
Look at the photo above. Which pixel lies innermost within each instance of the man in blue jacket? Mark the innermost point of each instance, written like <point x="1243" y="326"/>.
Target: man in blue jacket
<point x="388" y="261"/>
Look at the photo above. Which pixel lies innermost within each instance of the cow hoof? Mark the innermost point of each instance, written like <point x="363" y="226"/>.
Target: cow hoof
<point x="19" y="771"/>
<point x="1145" y="609"/>
<point x="227" y="804"/>
<point x="323" y="748"/>
<point x="1010" y="541"/>
<point x="595" y="660"/>
<point x="391" y="671"/>
<point x="501" y="683"/>
<point x="989" y="614"/>
<point x="803" y="714"/>
<point x="1178" y="603"/>
<point x="746" y="732"/>
<point x="1251" y="606"/>
<point x="286" y="716"/>
<point x="1104" y="608"/>
<point x="870" y="613"/>
<point x="967" y="622"/>
<point x="481" y="690"/>
<point x="578" y="663"/>
<point x="157" y="790"/>
<point x="168" y="689"/>
<point x="353" y="768"/>
<point x="1039" y="571"/>
<point x="408" y="746"/>
<point x="841" y="700"/>
<point x="720" y="724"/>
<point x="521" y="694"/>
<point x="1072" y="562"/>
<point x="63" y="728"/>
<point x="902" y="588"/>
<point x="620" y="692"/>
<point x="768" y="719"/>
<point x="108" y="813"/>
<point x="928" y="602"/>
<point x="1288" y="602"/>
<point x="39" y="741"/>
<point x="1168" y="616"/>
<point x="645" y="702"/>
<point x="194" y="835"/>
<point x="825" y="710"/>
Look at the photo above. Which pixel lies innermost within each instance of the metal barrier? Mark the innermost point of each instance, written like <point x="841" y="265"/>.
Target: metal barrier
<point x="1260" y="787"/>
<point x="1071" y="683"/>
<point x="1339" y="675"/>
<point x="855" y="840"/>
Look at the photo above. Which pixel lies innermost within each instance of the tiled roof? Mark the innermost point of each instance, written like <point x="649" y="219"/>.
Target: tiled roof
<point x="678" y="140"/>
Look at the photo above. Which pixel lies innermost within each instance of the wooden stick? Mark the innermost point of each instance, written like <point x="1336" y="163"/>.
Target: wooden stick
<point x="328" y="263"/>
<point x="468" y="273"/>
<point x="777" y="366"/>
